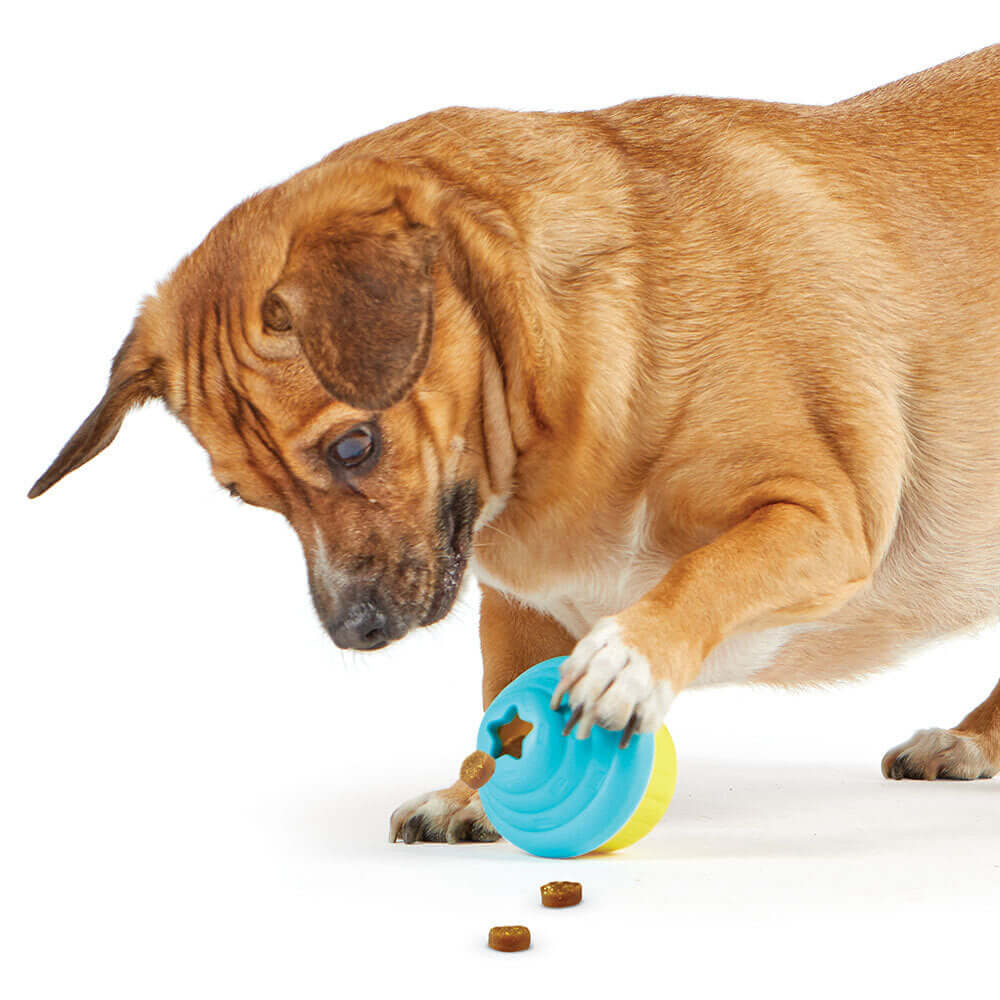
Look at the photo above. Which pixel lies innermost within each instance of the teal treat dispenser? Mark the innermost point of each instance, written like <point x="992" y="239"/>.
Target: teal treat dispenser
<point x="558" y="796"/>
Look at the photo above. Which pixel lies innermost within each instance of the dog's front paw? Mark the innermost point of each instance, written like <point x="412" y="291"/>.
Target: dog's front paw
<point x="450" y="814"/>
<point x="610" y="682"/>
<point x="938" y="753"/>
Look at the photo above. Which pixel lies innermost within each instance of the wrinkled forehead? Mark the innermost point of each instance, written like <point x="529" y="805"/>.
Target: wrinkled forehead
<point x="249" y="398"/>
<point x="248" y="394"/>
<point x="208" y="309"/>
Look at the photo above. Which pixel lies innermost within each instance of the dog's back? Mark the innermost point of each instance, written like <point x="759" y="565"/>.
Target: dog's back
<point x="928" y="148"/>
<point x="880" y="219"/>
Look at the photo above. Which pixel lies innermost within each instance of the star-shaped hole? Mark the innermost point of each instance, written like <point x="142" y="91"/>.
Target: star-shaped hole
<point x="508" y="736"/>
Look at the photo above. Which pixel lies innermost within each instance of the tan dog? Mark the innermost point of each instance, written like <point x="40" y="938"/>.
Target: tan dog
<point x="706" y="390"/>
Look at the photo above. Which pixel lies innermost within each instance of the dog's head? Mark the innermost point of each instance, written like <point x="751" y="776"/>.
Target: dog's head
<point x="336" y="345"/>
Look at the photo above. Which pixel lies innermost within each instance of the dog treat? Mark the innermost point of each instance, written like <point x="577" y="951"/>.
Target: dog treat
<point x="514" y="938"/>
<point x="558" y="894"/>
<point x="511" y="736"/>
<point x="477" y="769"/>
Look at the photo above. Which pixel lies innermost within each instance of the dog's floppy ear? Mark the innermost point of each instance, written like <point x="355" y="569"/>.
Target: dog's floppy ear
<point x="362" y="307"/>
<point x="134" y="379"/>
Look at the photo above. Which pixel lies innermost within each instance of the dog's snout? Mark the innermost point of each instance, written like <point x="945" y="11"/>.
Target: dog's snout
<point x="364" y="624"/>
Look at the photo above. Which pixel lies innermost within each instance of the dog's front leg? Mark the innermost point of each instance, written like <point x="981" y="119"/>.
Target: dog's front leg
<point x="785" y="561"/>
<point x="513" y="638"/>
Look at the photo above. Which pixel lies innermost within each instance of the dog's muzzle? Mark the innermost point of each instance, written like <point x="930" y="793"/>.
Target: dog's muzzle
<point x="369" y="611"/>
<point x="365" y="622"/>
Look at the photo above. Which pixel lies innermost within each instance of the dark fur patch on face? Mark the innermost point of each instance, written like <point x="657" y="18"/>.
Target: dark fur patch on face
<point x="458" y="509"/>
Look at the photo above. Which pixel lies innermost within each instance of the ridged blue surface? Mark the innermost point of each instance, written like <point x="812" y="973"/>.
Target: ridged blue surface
<point x="563" y="797"/>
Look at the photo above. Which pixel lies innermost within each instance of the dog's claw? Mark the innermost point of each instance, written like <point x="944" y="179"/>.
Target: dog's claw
<point x="628" y="731"/>
<point x="573" y="720"/>
<point x="566" y="682"/>
<point x="417" y="828"/>
<point x="557" y="695"/>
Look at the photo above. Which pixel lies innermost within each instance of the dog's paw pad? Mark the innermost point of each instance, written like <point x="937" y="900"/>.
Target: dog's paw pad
<point x="938" y="753"/>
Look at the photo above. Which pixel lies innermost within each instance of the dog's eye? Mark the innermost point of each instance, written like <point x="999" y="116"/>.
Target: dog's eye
<point x="355" y="448"/>
<point x="275" y="313"/>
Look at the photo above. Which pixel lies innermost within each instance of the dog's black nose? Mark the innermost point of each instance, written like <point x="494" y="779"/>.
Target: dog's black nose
<point x="364" y="625"/>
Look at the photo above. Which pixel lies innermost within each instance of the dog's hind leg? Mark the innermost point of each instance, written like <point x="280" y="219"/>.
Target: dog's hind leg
<point x="970" y="750"/>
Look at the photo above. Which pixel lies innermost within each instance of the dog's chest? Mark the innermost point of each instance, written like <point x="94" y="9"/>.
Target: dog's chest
<point x="582" y="578"/>
<point x="611" y="573"/>
<point x="607" y="586"/>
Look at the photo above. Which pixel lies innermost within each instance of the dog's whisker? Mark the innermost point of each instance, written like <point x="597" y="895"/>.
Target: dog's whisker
<point x="499" y="531"/>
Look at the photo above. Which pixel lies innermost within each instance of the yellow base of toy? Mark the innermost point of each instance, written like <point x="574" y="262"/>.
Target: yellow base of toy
<point x="653" y="804"/>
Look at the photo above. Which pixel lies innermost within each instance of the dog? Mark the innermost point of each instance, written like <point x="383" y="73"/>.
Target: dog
<point x="701" y="390"/>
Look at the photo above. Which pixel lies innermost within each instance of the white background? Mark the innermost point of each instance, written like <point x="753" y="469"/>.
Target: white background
<point x="195" y="782"/>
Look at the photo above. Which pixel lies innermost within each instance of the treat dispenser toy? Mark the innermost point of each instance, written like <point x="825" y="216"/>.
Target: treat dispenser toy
<point x="558" y="796"/>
